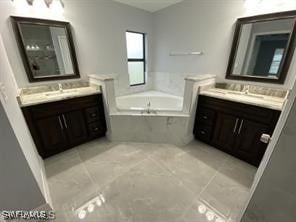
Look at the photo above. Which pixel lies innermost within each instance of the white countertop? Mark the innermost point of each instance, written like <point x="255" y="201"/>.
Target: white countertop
<point x="270" y="102"/>
<point x="51" y="96"/>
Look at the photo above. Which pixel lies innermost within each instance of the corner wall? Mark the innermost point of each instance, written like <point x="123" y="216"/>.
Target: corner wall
<point x="19" y="189"/>
<point x="206" y="26"/>
<point x="98" y="29"/>
<point x="8" y="93"/>
<point x="273" y="192"/>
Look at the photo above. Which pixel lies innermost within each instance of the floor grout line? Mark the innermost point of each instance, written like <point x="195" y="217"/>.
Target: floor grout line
<point x="114" y="178"/>
<point x="124" y="173"/>
<point x="169" y="172"/>
<point x="199" y="194"/>
<point x="181" y="180"/>
<point x="87" y="172"/>
<point x="162" y="166"/>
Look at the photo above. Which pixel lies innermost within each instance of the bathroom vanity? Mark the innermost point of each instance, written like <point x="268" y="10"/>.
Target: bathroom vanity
<point x="239" y="118"/>
<point x="234" y="122"/>
<point x="65" y="119"/>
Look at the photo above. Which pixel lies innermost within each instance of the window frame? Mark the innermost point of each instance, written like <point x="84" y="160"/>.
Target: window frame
<point x="275" y="61"/>
<point x="139" y="60"/>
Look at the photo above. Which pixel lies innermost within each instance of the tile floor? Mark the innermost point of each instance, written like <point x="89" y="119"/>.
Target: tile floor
<point x="139" y="182"/>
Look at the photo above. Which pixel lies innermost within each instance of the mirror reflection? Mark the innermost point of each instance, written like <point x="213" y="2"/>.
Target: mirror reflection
<point x="47" y="50"/>
<point x="261" y="48"/>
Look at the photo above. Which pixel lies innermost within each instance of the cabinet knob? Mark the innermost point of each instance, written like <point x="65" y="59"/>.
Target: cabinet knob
<point x="265" y="138"/>
<point x="204" y="117"/>
<point x="96" y="129"/>
<point x="202" y="132"/>
<point x="93" y="115"/>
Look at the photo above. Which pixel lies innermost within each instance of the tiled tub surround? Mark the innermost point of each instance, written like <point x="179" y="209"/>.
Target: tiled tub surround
<point x="51" y="92"/>
<point x="154" y="100"/>
<point x="140" y="182"/>
<point x="151" y="128"/>
<point x="172" y="83"/>
<point x="157" y="125"/>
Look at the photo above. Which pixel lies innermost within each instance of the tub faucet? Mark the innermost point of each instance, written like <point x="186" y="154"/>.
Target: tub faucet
<point x="148" y="107"/>
<point x="60" y="87"/>
<point x="148" y="110"/>
<point x="247" y="89"/>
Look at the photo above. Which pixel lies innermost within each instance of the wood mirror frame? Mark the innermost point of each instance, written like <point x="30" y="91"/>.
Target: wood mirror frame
<point x="16" y="21"/>
<point x="288" y="55"/>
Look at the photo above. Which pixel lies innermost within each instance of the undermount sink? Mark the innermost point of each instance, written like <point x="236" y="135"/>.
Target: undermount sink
<point x="53" y="92"/>
<point x="253" y="95"/>
<point x="234" y="93"/>
<point x="246" y="94"/>
<point x="61" y="94"/>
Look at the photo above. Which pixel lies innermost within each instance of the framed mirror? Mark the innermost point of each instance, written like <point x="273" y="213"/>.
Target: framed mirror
<point x="46" y="49"/>
<point x="263" y="47"/>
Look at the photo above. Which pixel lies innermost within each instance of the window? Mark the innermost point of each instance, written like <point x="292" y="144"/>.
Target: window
<point x="135" y="42"/>
<point x="276" y="61"/>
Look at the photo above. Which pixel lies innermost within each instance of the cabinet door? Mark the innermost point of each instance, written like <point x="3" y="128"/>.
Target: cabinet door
<point x="52" y="135"/>
<point x="225" y="128"/>
<point x="249" y="147"/>
<point x="75" y="126"/>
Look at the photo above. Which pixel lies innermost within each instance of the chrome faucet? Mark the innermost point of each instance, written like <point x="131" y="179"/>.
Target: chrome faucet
<point x="148" y="110"/>
<point x="148" y="107"/>
<point x="60" y="87"/>
<point x="247" y="89"/>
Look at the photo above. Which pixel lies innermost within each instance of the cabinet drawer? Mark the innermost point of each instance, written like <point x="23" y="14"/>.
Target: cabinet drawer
<point x="205" y="116"/>
<point x="95" y="129"/>
<point x="63" y="106"/>
<point x="246" y="111"/>
<point x="92" y="113"/>
<point x="203" y="132"/>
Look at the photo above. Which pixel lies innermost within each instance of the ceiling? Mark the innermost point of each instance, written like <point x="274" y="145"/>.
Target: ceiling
<point x="149" y="5"/>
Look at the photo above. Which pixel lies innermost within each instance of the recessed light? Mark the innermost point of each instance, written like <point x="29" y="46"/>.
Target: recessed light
<point x="91" y="208"/>
<point x="82" y="214"/>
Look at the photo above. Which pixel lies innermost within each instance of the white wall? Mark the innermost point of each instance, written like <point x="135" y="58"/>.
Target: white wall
<point x="98" y="29"/>
<point x="7" y="9"/>
<point x="99" y="26"/>
<point x="273" y="192"/>
<point x="242" y="49"/>
<point x="55" y="33"/>
<point x="207" y="26"/>
<point x="100" y="36"/>
<point x="8" y="93"/>
<point x="18" y="190"/>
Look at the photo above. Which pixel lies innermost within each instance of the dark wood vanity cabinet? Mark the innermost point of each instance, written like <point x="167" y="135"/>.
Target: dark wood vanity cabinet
<point x="58" y="126"/>
<point x="233" y="127"/>
<point x="52" y="138"/>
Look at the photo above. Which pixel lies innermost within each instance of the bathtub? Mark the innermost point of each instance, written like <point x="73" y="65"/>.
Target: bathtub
<point x="165" y="123"/>
<point x="155" y="100"/>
